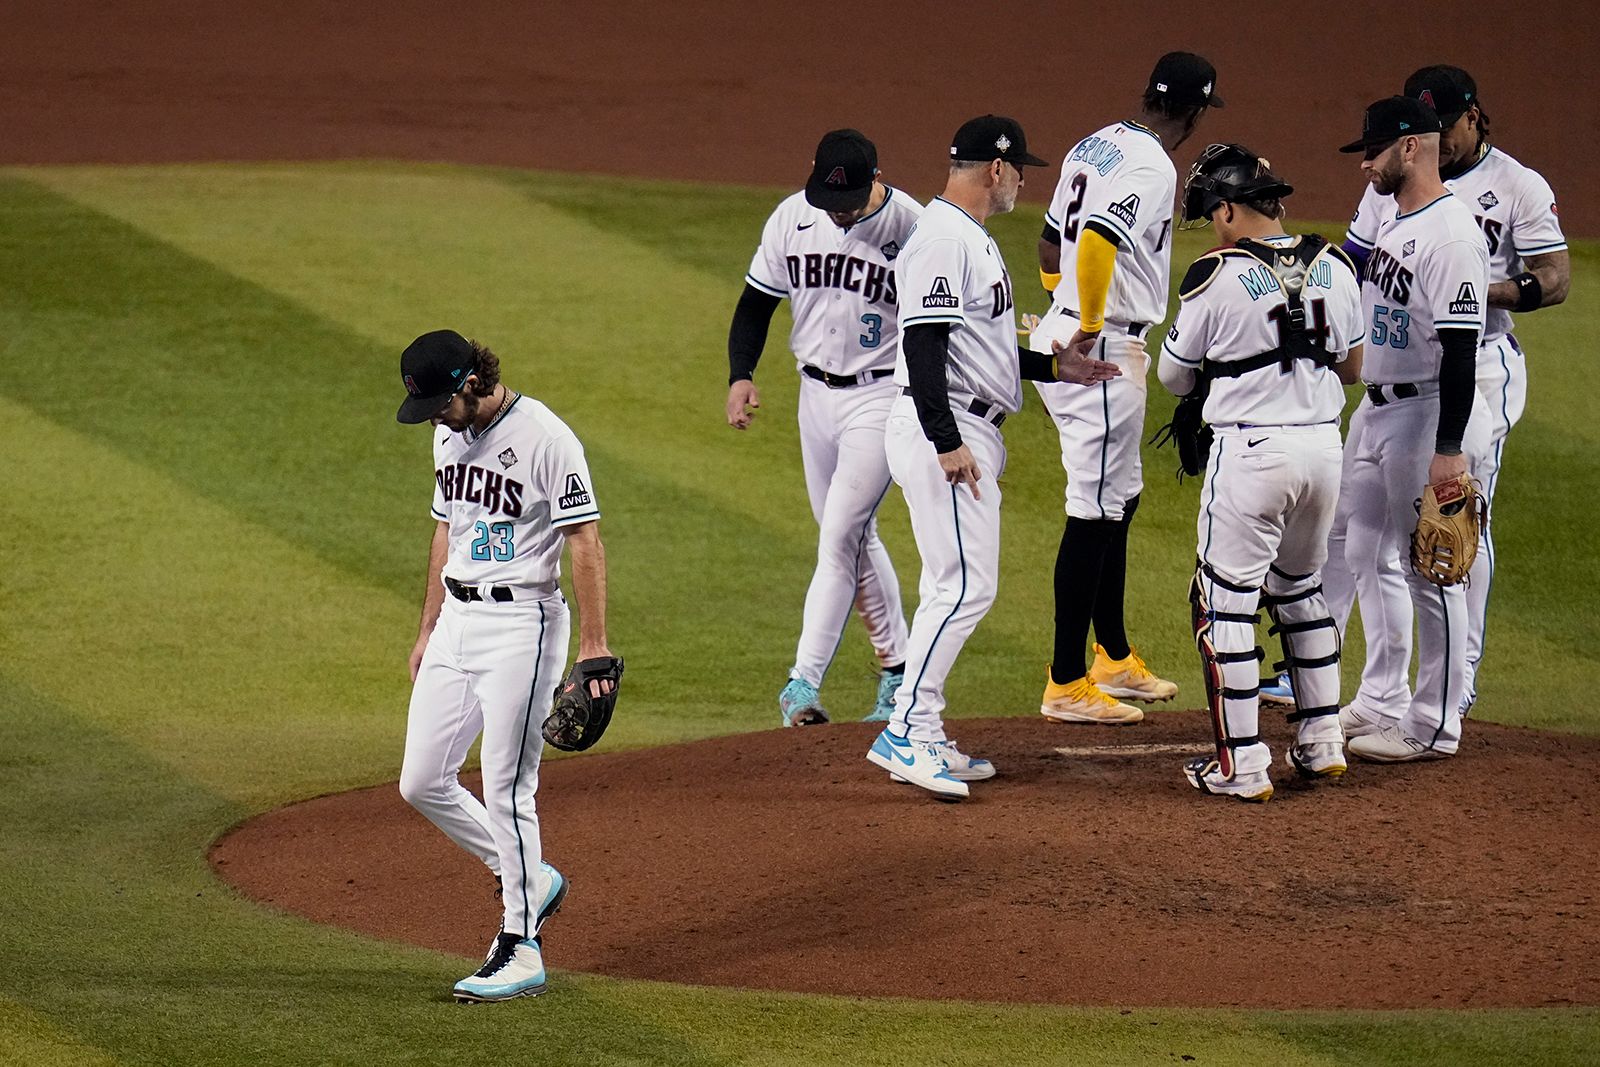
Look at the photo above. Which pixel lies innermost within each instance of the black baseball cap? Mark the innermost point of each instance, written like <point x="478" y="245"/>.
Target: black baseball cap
<point x="433" y="367"/>
<point x="842" y="172"/>
<point x="1389" y="120"/>
<point x="990" y="137"/>
<point x="1184" y="78"/>
<point x="1450" y="91"/>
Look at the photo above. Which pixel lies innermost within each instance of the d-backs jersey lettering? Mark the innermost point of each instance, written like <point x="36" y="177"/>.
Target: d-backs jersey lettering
<point x="1512" y="205"/>
<point x="951" y="272"/>
<point x="1240" y="311"/>
<point x="1429" y="270"/>
<point x="507" y="492"/>
<point x="1121" y="178"/>
<point x="840" y="283"/>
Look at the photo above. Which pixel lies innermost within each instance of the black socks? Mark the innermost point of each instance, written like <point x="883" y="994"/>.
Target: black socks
<point x="1090" y="579"/>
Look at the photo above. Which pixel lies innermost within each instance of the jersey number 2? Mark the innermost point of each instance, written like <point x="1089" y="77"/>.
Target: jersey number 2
<point x="493" y="542"/>
<point x="1069" y="222"/>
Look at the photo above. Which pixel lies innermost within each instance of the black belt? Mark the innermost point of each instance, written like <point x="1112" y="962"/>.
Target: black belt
<point x="982" y="408"/>
<point x="843" y="381"/>
<point x="1402" y="391"/>
<point x="1135" y="329"/>
<point x="468" y="593"/>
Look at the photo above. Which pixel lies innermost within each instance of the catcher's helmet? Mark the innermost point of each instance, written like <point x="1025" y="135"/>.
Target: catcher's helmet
<point x="1228" y="173"/>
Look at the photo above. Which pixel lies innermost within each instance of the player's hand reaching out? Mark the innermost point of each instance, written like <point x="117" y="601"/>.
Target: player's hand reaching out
<point x="960" y="466"/>
<point x="1446" y="468"/>
<point x="1074" y="365"/>
<point x="742" y="402"/>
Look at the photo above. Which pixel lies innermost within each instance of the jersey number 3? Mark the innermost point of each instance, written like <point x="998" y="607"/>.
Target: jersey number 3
<point x="493" y="542"/>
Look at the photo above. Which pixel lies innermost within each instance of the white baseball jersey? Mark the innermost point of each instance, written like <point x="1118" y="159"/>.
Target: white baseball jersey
<point x="1429" y="270"/>
<point x="1513" y="206"/>
<point x="952" y="272"/>
<point x="507" y="492"/>
<point x="1121" y="178"/>
<point x="1239" y="310"/>
<point x="840" y="282"/>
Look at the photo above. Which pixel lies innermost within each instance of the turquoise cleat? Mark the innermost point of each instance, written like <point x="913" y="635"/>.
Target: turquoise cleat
<point x="800" y="704"/>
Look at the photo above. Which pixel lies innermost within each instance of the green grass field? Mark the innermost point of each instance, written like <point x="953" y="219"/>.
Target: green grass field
<point x="214" y="533"/>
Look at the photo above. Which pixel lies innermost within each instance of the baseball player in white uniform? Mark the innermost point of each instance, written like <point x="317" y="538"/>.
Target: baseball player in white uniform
<point x="511" y="491"/>
<point x="1109" y="229"/>
<point x="1268" y="328"/>
<point x="1424" y="288"/>
<point x="1529" y="268"/>
<point x="958" y="373"/>
<point x="831" y="250"/>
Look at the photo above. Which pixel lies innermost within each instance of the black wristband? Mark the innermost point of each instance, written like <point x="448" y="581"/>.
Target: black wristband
<point x="1530" y="294"/>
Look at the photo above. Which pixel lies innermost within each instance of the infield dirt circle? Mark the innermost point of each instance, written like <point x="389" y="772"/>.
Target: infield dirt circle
<point x="1087" y="872"/>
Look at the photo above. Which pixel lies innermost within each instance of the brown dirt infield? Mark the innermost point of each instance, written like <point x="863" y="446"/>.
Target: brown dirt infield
<point x="783" y="860"/>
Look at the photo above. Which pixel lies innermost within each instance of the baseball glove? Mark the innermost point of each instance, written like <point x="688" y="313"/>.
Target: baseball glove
<point x="580" y="716"/>
<point x="1450" y="517"/>
<point x="1188" y="430"/>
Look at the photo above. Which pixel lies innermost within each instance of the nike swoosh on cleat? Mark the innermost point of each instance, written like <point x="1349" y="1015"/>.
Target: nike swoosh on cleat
<point x="909" y="761"/>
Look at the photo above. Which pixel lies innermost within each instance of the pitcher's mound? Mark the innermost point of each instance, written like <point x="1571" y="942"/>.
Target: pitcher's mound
<point x="1088" y="872"/>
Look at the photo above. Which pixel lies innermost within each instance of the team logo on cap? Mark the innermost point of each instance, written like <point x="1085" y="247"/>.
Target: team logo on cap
<point x="836" y="177"/>
<point x="411" y="386"/>
<point x="1003" y="143"/>
<point x="1205" y="90"/>
<point x="1427" y="97"/>
<point x="1488" y="200"/>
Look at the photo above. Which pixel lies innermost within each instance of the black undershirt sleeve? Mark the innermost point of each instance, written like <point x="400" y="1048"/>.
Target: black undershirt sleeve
<point x="1458" y="369"/>
<point x="1036" y="366"/>
<point x="748" y="334"/>
<point x="927" y="350"/>
<point x="1051" y="234"/>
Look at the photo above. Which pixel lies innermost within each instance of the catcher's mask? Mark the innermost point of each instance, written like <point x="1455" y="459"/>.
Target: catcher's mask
<point x="1228" y="173"/>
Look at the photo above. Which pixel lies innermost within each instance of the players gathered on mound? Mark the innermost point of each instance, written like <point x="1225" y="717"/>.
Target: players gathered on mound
<point x="905" y="337"/>
<point x="910" y="359"/>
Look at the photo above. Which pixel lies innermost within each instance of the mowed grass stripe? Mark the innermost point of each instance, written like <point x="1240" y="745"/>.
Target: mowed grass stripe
<point x="503" y="259"/>
<point x="272" y="989"/>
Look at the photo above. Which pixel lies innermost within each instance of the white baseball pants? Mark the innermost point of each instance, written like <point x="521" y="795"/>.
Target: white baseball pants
<point x="958" y="537"/>
<point x="1101" y="426"/>
<point x="489" y="668"/>
<point x="1503" y="384"/>
<point x="1269" y="499"/>
<point x="1385" y="468"/>
<point x="847" y="477"/>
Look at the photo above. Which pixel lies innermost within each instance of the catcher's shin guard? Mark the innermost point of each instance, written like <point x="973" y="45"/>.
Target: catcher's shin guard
<point x="1224" y="632"/>
<point x="1310" y="641"/>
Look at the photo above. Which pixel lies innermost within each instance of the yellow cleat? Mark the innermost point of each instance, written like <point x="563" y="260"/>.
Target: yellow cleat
<point x="1129" y="679"/>
<point x="1083" y="701"/>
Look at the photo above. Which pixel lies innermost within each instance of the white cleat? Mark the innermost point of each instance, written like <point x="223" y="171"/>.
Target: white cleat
<point x="1393" y="745"/>
<point x="1320" y="759"/>
<point x="1205" y="774"/>
<point x="917" y="762"/>
<point x="959" y="765"/>
<point x="515" y="968"/>
<point x="1357" y="723"/>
